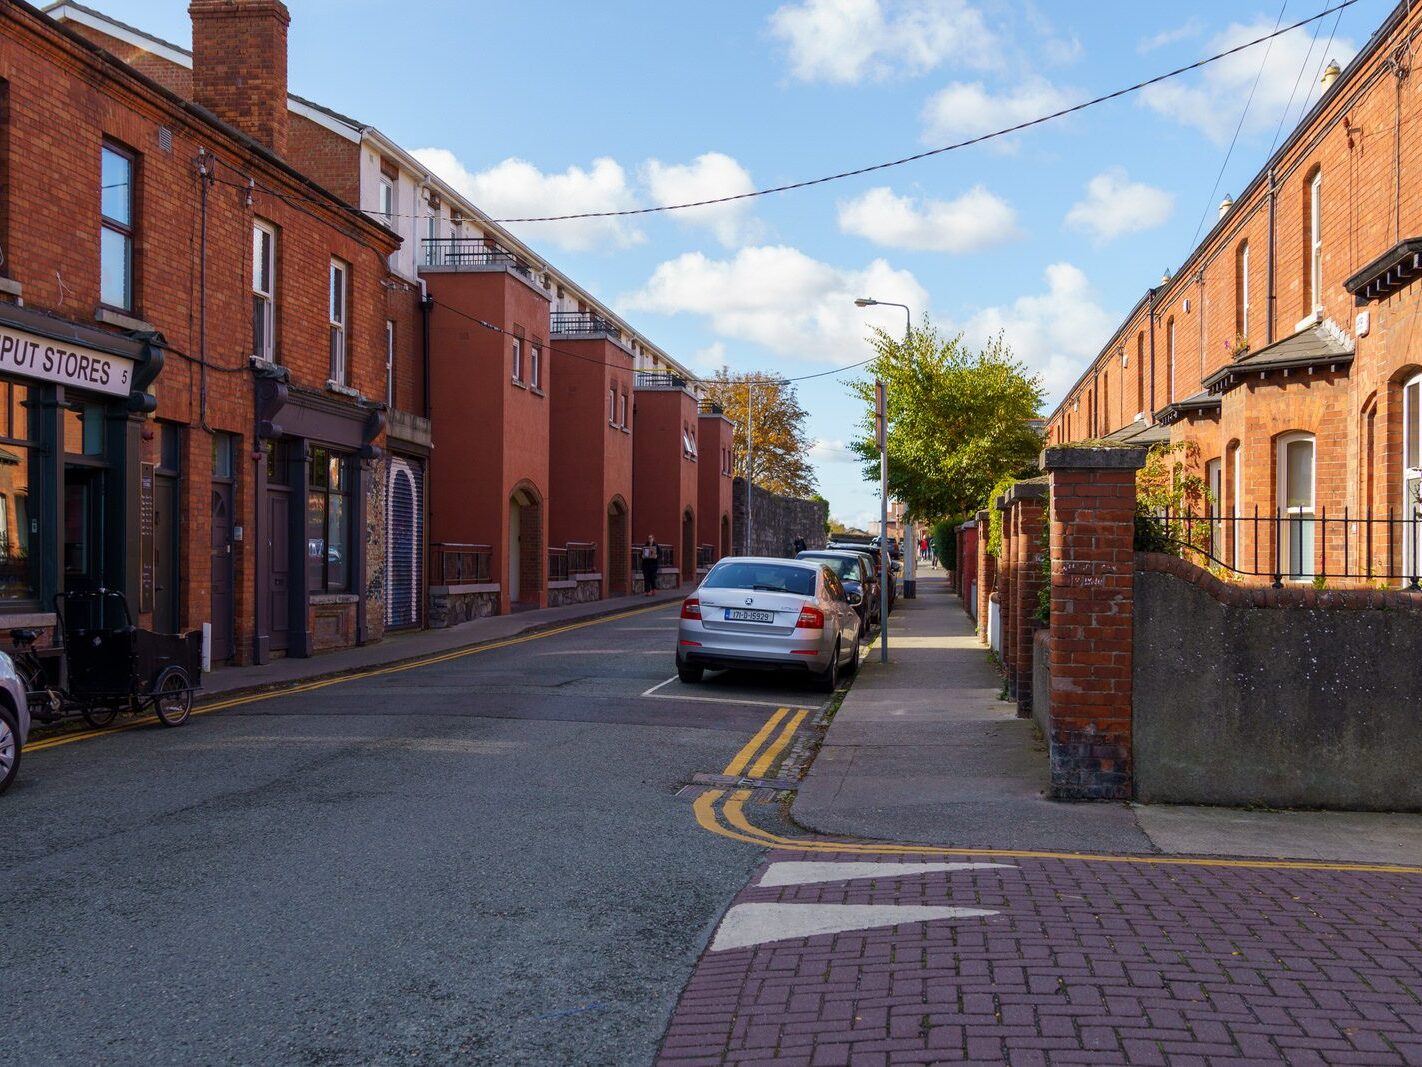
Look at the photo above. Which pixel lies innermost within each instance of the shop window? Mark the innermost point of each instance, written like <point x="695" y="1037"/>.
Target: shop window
<point x="116" y="173"/>
<point x="328" y="522"/>
<point x="19" y="535"/>
<point x="340" y="294"/>
<point x="263" y="291"/>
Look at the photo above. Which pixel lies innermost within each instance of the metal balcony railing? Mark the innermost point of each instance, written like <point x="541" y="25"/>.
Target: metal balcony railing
<point x="582" y="557"/>
<point x="557" y="564"/>
<point x="582" y="322"/>
<point x="705" y="556"/>
<point x="666" y="557"/>
<point x="648" y="379"/>
<point x="460" y="564"/>
<point x="471" y="252"/>
<point x="710" y="407"/>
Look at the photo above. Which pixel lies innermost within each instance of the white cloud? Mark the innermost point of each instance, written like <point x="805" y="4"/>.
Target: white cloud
<point x="516" y="188"/>
<point x="706" y="177"/>
<point x="966" y="109"/>
<point x="1174" y="35"/>
<point x="1213" y="101"/>
<point x="978" y="219"/>
<point x="849" y="41"/>
<point x="1115" y="205"/>
<point x="825" y="451"/>
<point x="1055" y="333"/>
<point x="781" y="298"/>
<point x="707" y="361"/>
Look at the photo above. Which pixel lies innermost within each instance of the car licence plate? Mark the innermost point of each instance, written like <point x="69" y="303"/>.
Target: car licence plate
<point x="743" y="615"/>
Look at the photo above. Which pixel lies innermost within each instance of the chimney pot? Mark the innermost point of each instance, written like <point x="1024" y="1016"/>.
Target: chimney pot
<point x="1331" y="73"/>
<point x="239" y="65"/>
<point x="1226" y="204"/>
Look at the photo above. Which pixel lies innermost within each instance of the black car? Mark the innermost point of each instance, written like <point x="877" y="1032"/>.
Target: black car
<point x="871" y="553"/>
<point x="857" y="577"/>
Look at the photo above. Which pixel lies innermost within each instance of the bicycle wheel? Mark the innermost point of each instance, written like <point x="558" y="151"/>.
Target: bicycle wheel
<point x="173" y="696"/>
<point x="99" y="715"/>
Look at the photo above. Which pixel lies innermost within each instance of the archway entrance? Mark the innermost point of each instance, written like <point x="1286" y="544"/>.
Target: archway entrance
<point x="619" y="550"/>
<point x="525" y="549"/>
<point x="688" y="546"/>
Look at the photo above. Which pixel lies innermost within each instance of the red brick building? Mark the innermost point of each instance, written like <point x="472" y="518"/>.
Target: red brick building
<point x="220" y="473"/>
<point x="664" y="470"/>
<point x="1283" y="350"/>
<point x="715" y="467"/>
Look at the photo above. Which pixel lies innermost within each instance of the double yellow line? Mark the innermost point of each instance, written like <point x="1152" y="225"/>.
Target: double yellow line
<point x="354" y="676"/>
<point x="722" y="812"/>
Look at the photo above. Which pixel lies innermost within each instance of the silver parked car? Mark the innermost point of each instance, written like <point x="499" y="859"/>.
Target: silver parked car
<point x="769" y="614"/>
<point x="14" y="721"/>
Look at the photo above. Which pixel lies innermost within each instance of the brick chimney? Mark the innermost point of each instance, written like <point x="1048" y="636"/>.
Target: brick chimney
<point x="239" y="65"/>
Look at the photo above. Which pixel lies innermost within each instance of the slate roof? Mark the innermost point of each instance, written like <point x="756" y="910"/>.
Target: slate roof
<point x="1320" y="345"/>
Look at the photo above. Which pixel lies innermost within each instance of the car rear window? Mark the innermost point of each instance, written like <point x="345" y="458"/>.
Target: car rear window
<point x="844" y="568"/>
<point x="767" y="577"/>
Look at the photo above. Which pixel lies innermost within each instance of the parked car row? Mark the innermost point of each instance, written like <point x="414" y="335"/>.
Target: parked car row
<point x="808" y="614"/>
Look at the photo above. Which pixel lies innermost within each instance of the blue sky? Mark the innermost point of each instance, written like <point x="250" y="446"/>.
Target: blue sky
<point x="1051" y="236"/>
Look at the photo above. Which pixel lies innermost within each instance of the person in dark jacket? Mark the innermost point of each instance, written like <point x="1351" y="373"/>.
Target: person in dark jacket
<point x="649" y="566"/>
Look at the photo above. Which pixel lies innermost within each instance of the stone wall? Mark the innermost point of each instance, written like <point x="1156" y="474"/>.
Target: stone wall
<point x="778" y="521"/>
<point x="582" y="590"/>
<point x="452" y="604"/>
<point x="1289" y="697"/>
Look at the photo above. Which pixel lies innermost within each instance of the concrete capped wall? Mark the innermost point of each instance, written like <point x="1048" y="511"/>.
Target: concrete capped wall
<point x="776" y="521"/>
<point x="1302" y="703"/>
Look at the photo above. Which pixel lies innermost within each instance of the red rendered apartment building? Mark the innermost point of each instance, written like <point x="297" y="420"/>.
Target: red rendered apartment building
<point x="664" y="471"/>
<point x="1283" y="352"/>
<point x="715" y="474"/>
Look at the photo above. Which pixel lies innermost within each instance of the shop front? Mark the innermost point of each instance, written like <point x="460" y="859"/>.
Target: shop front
<point x="76" y="511"/>
<point x="314" y="536"/>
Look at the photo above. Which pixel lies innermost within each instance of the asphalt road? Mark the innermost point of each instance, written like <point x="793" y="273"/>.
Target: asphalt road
<point x="483" y="861"/>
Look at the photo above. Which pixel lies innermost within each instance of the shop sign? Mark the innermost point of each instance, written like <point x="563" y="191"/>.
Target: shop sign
<point x="33" y="356"/>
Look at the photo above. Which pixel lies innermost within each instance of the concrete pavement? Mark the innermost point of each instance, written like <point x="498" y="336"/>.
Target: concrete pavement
<point x="922" y="751"/>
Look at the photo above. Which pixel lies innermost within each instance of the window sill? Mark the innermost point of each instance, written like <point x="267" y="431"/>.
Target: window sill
<point x="123" y="320"/>
<point x="518" y="382"/>
<point x="10" y="287"/>
<point x="333" y="386"/>
<point x="536" y="391"/>
<point x="625" y="429"/>
<point x="332" y="598"/>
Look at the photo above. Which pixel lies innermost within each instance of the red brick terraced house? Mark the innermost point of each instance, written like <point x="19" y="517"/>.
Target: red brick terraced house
<point x="462" y="294"/>
<point x="1285" y="349"/>
<point x="191" y="346"/>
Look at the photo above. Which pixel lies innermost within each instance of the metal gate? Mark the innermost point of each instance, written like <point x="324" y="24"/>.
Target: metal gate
<point x="404" y="542"/>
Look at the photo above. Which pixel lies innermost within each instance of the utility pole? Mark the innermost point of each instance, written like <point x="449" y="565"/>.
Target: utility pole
<point x="750" y="452"/>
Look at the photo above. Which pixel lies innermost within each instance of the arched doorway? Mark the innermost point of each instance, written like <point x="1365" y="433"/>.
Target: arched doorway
<point x="1412" y="478"/>
<point x="725" y="537"/>
<point x="525" y="548"/>
<point x="688" y="546"/>
<point x="618" y="563"/>
<point x="403" y="545"/>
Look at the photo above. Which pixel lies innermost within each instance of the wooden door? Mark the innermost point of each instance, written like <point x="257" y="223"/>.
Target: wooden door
<point x="277" y="561"/>
<point x="166" y="618"/>
<point x="223" y="615"/>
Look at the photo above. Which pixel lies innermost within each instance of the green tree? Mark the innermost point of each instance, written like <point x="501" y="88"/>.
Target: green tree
<point x="779" y="459"/>
<point x="958" y="420"/>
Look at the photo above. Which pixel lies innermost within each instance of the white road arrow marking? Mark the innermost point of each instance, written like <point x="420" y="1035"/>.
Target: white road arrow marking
<point x="756" y="924"/>
<point x="802" y="873"/>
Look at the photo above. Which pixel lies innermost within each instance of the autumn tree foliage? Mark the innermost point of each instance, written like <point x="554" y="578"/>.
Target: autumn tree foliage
<point x="766" y="404"/>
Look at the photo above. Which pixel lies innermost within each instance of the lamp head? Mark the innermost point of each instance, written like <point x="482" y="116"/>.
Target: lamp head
<point x="865" y="302"/>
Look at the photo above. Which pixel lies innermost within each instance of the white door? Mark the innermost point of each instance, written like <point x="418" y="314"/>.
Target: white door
<point x="514" y="556"/>
<point x="1412" y="478"/>
<point x="1296" y="506"/>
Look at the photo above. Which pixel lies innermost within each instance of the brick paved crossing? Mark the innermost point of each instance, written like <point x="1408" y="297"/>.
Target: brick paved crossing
<point x="1086" y="963"/>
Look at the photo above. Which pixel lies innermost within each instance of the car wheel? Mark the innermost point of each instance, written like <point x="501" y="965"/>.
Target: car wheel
<point x="827" y="681"/>
<point x="9" y="747"/>
<point x="688" y="674"/>
<point x="853" y="668"/>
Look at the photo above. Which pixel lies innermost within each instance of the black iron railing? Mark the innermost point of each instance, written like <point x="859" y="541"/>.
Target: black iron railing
<point x="582" y="557"/>
<point x="581" y="322"/>
<point x="471" y="252"/>
<point x="710" y="407"/>
<point x="557" y="564"/>
<point x="1294" y="545"/>
<point x="460" y="564"/>
<point x="648" y="379"/>
<point x="666" y="557"/>
<point x="705" y="556"/>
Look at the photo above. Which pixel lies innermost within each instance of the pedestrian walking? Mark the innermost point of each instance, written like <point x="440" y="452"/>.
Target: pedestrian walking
<point x="650" y="564"/>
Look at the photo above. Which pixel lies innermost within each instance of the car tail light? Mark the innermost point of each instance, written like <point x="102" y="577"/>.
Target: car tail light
<point x="810" y="619"/>
<point x="691" y="608"/>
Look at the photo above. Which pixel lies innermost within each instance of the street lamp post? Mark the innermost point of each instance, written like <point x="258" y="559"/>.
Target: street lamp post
<point x="881" y="416"/>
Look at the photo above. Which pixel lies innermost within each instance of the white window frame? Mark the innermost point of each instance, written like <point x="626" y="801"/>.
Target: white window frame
<point x="1237" y="503"/>
<point x="385" y="198"/>
<point x="264" y="300"/>
<point x="1244" y="289"/>
<point x="1214" y="479"/>
<point x="535" y="365"/>
<point x="517" y="359"/>
<point x="622" y="410"/>
<point x="390" y="362"/>
<point x="1412" y="477"/>
<point x="612" y="406"/>
<point x="338" y="293"/>
<point x="1315" y="224"/>
<point x="1298" y="521"/>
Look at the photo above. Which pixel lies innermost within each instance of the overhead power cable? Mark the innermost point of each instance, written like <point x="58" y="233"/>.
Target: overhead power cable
<point x="979" y="139"/>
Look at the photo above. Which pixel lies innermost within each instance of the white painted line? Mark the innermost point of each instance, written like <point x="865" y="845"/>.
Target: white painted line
<point x="803" y="873"/>
<point x="757" y="924"/>
<point x="652" y="692"/>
